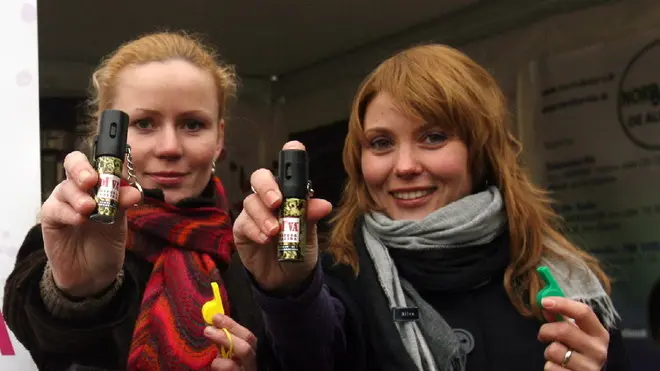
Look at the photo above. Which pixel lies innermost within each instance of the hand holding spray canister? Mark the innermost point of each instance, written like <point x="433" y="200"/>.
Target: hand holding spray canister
<point x="108" y="161"/>
<point x="293" y="180"/>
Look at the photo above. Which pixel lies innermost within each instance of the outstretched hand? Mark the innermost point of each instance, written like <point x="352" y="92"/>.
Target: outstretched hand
<point x="257" y="226"/>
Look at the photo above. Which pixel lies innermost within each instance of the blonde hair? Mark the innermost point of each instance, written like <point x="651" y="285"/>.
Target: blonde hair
<point x="157" y="47"/>
<point x="439" y="84"/>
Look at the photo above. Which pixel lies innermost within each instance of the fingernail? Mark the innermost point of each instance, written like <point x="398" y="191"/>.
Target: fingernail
<point x="83" y="176"/>
<point x="271" y="225"/>
<point x="547" y="365"/>
<point x="208" y="331"/>
<point x="548" y="303"/>
<point x="82" y="202"/>
<point x="263" y="237"/>
<point x="272" y="197"/>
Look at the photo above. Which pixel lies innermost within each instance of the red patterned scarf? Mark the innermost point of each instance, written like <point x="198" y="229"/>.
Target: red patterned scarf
<point x="184" y="244"/>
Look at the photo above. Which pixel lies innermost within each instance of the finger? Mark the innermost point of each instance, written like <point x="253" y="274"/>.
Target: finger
<point x="69" y="192"/>
<point x="79" y="170"/>
<point x="556" y="352"/>
<point x="57" y="214"/>
<point x="264" y="184"/>
<point x="223" y="364"/>
<point x="222" y="321"/>
<point x="573" y="337"/>
<point x="583" y="315"/>
<point x="293" y="144"/>
<point x="550" y="366"/>
<point x="247" y="231"/>
<point x="318" y="209"/>
<point x="261" y="215"/>
<point x="264" y="218"/>
<point x="549" y="316"/>
<point x="241" y="349"/>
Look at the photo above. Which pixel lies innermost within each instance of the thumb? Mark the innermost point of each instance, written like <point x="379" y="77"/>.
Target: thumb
<point x="317" y="209"/>
<point x="128" y="196"/>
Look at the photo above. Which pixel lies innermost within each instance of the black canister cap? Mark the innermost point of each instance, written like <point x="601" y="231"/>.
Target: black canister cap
<point x="293" y="173"/>
<point x="113" y="133"/>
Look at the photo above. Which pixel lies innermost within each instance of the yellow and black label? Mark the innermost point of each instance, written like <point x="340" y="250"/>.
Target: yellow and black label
<point x="107" y="190"/>
<point x="293" y="230"/>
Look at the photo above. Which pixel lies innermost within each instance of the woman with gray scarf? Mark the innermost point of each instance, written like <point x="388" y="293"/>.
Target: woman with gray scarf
<point x="433" y="251"/>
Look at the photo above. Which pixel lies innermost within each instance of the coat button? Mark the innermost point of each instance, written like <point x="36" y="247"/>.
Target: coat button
<point x="465" y="339"/>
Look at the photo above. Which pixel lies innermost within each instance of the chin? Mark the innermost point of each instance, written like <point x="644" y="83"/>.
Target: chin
<point x="174" y="196"/>
<point x="410" y="214"/>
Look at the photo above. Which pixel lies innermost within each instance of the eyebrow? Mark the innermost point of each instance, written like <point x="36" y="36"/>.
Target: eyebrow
<point x="149" y="111"/>
<point x="376" y="130"/>
<point x="186" y="113"/>
<point x="428" y="126"/>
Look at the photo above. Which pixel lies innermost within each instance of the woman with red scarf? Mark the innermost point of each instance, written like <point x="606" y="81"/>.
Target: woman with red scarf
<point x="128" y="296"/>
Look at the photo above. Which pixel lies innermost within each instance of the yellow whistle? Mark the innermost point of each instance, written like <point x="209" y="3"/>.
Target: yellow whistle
<point x="210" y="309"/>
<point x="213" y="307"/>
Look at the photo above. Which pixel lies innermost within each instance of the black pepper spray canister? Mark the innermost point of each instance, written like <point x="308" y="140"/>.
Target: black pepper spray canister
<point x="293" y="179"/>
<point x="109" y="154"/>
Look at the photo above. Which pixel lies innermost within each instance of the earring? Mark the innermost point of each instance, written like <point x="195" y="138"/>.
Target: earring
<point x="213" y="167"/>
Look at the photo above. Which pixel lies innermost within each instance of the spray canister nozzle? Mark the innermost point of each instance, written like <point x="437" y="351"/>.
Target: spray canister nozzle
<point x="108" y="160"/>
<point x="113" y="134"/>
<point x="293" y="173"/>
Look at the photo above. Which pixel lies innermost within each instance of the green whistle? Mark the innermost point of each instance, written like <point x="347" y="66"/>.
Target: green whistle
<point x="551" y="287"/>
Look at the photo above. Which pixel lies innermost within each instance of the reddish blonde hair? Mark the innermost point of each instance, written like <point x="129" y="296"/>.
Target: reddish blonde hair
<point x="439" y="84"/>
<point x="157" y="47"/>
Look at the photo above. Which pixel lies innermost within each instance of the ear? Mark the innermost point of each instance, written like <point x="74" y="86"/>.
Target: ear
<point x="220" y="145"/>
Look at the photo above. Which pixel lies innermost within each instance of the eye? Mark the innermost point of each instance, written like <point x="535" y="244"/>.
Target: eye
<point x="380" y="143"/>
<point x="143" y="124"/>
<point x="193" y="125"/>
<point x="434" y="138"/>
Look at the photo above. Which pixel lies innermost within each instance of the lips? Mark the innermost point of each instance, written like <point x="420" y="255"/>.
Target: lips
<point x="165" y="174"/>
<point x="168" y="178"/>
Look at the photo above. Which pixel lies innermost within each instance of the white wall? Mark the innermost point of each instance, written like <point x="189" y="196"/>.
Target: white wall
<point x="323" y="94"/>
<point x="19" y="152"/>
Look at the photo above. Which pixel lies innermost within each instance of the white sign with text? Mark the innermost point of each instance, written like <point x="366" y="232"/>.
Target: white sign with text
<point x="597" y="148"/>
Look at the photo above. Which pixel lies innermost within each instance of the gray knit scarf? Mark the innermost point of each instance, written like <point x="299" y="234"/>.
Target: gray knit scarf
<point x="473" y="220"/>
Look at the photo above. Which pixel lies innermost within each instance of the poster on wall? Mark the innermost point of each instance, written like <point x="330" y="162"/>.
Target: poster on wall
<point x="597" y="148"/>
<point x="19" y="192"/>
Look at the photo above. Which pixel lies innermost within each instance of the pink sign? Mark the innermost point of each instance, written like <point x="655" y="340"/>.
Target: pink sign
<point x="6" y="348"/>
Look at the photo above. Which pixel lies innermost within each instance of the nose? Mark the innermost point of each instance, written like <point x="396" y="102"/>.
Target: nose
<point x="407" y="164"/>
<point x="169" y="144"/>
